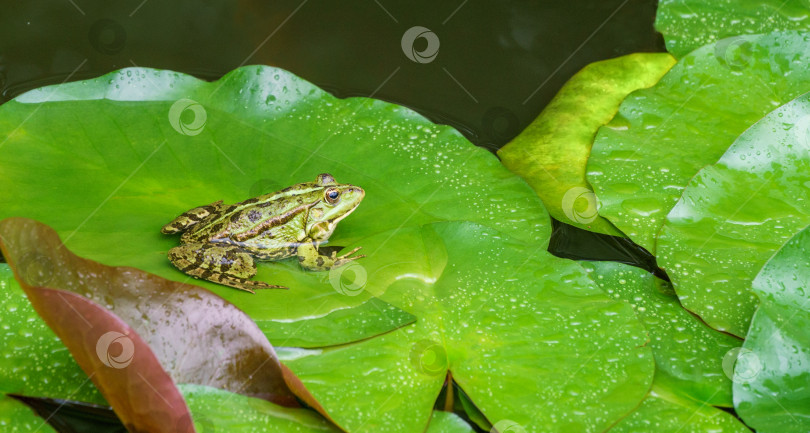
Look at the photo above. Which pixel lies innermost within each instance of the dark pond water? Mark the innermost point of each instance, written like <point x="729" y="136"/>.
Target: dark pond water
<point x="486" y="67"/>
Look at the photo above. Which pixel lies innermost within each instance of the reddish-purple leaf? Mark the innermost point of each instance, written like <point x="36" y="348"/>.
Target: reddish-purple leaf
<point x="136" y="334"/>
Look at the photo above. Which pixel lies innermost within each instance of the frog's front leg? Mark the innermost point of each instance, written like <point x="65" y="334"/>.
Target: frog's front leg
<point x="219" y="263"/>
<point x="191" y="217"/>
<point x="312" y="260"/>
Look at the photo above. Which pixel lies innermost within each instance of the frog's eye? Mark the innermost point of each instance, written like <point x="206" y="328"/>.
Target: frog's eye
<point x="332" y="195"/>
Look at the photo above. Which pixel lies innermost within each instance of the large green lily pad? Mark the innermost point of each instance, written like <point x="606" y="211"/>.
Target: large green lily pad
<point x="689" y="24"/>
<point x="773" y="369"/>
<point x="552" y="151"/>
<point x="735" y="214"/>
<point x="642" y="160"/>
<point x="688" y="354"/>
<point x="527" y="336"/>
<point x="118" y="157"/>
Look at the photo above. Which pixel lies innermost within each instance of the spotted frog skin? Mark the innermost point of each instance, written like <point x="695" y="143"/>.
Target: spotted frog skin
<point x="222" y="243"/>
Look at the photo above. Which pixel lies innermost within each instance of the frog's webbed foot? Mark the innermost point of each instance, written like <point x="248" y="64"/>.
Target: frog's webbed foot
<point x="244" y="284"/>
<point x="342" y="260"/>
<point x="311" y="259"/>
<point x="223" y="264"/>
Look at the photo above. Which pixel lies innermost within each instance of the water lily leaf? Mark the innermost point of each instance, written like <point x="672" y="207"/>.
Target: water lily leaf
<point x="73" y="416"/>
<point x="735" y="214"/>
<point x="16" y="417"/>
<point x="772" y="370"/>
<point x="140" y="146"/>
<point x="173" y="327"/>
<point x="217" y="410"/>
<point x="689" y="24"/>
<point x="665" y="411"/>
<point x="552" y="151"/>
<point x="34" y="361"/>
<point x="662" y="136"/>
<point x="688" y="354"/>
<point x="526" y="335"/>
<point x="447" y="422"/>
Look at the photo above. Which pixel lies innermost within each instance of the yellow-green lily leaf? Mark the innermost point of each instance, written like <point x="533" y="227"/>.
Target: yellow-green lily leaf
<point x="119" y="156"/>
<point x="689" y="24"/>
<point x="642" y="160"/>
<point x="552" y="151"/>
<point x="526" y="335"/>
<point x="772" y="371"/>
<point x="688" y="354"/>
<point x="736" y="213"/>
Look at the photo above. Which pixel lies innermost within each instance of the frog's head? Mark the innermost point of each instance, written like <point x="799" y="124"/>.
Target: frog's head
<point x="337" y="201"/>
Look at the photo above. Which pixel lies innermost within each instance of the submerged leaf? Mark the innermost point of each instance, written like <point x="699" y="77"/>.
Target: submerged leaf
<point x="552" y="151"/>
<point x="642" y="160"/>
<point x="772" y="370"/>
<point x="736" y="213"/>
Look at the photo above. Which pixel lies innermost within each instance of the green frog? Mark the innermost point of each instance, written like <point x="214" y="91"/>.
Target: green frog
<point x="221" y="243"/>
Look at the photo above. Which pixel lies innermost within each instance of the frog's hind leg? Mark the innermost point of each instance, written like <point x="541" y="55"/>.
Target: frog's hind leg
<point x="190" y="217"/>
<point x="219" y="263"/>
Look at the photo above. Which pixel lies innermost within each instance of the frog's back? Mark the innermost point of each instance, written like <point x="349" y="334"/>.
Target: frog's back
<point x="268" y="221"/>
